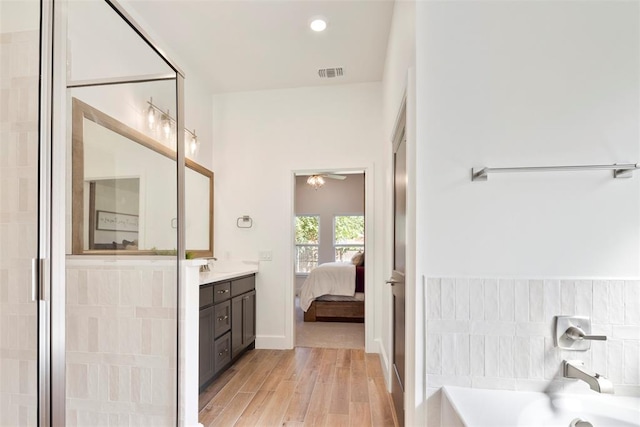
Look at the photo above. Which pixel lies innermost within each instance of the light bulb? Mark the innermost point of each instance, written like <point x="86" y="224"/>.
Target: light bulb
<point x="316" y="181"/>
<point x="318" y="25"/>
<point x="193" y="145"/>
<point x="166" y="126"/>
<point x="151" y="117"/>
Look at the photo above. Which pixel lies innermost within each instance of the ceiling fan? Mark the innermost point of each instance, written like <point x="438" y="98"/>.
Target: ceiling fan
<point x="317" y="180"/>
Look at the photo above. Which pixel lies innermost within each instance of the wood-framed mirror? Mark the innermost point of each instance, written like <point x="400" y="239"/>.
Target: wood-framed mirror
<point x="123" y="191"/>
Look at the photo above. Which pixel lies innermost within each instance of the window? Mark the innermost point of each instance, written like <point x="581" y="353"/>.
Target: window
<point x="307" y="242"/>
<point x="348" y="236"/>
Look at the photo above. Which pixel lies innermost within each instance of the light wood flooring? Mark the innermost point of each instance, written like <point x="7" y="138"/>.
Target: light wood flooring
<point x="300" y="387"/>
<point x="327" y="334"/>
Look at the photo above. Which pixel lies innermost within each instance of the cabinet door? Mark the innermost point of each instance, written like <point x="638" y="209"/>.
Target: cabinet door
<point x="236" y="325"/>
<point x="205" y="346"/>
<point x="248" y="318"/>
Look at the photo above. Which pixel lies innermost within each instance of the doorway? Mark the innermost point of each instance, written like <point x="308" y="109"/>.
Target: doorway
<point x="329" y="224"/>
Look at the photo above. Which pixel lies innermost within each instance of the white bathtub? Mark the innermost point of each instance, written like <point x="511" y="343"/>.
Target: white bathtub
<point x="504" y="408"/>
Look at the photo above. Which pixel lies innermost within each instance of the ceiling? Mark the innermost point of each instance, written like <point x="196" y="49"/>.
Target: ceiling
<point x="237" y="45"/>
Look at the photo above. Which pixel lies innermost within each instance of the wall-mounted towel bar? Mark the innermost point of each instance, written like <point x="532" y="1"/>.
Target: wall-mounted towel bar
<point x="620" y="170"/>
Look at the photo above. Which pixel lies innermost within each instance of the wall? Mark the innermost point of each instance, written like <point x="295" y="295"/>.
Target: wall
<point x="400" y="57"/>
<point x="18" y="220"/>
<point x="498" y="333"/>
<point x="567" y="95"/>
<point x="261" y="139"/>
<point x="397" y="82"/>
<point x="121" y="364"/>
<point x="526" y="84"/>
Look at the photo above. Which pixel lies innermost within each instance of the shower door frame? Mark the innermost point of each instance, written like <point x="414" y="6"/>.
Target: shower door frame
<point x="50" y="267"/>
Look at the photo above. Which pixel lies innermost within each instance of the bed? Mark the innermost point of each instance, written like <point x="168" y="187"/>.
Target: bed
<point x="334" y="292"/>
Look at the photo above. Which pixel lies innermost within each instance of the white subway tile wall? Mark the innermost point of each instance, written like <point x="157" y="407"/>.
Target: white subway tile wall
<point x="18" y="226"/>
<point x="121" y="345"/>
<point x="507" y="339"/>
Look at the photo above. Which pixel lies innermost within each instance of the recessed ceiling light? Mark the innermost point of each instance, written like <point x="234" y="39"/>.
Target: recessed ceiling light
<point x="318" y="25"/>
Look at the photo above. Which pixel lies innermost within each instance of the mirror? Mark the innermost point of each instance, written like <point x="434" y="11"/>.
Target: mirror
<point x="122" y="182"/>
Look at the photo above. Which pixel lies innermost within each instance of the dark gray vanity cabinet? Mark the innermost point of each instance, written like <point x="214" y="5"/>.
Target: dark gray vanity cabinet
<point x="227" y="324"/>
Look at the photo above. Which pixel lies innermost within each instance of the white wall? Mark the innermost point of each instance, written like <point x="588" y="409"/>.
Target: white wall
<point x="401" y="55"/>
<point x="260" y="140"/>
<point x="524" y="84"/>
<point x="19" y="15"/>
<point x="529" y="84"/>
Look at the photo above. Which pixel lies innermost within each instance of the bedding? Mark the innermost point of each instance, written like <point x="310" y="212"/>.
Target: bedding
<point x="332" y="278"/>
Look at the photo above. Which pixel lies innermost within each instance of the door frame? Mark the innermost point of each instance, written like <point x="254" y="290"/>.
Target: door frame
<point x="399" y="136"/>
<point x="415" y="340"/>
<point x="370" y="344"/>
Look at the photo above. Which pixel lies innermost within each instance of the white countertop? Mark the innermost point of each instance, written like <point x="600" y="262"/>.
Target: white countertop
<point x="224" y="270"/>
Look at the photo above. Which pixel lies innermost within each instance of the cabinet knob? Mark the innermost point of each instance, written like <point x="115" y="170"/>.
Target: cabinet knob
<point x="221" y="318"/>
<point x="224" y="291"/>
<point x="226" y="350"/>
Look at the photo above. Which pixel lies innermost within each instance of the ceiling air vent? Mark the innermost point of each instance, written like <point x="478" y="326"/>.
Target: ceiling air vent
<point x="330" y="73"/>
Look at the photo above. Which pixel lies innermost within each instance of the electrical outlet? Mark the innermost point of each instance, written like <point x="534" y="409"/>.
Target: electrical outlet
<point x="266" y="255"/>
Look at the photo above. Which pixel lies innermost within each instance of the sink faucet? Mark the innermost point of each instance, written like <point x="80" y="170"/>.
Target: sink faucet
<point x="575" y="369"/>
<point x="206" y="267"/>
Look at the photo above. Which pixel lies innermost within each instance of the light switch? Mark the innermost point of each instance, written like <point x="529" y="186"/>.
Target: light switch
<point x="266" y="255"/>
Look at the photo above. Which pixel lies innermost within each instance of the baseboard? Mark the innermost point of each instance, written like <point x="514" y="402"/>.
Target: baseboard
<point x="385" y="362"/>
<point x="272" y="342"/>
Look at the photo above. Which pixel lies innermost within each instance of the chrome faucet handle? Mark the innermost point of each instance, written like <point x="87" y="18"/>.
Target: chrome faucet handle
<point x="575" y="333"/>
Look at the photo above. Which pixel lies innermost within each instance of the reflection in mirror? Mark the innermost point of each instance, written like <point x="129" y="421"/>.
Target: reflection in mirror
<point x="113" y="213"/>
<point x="123" y="184"/>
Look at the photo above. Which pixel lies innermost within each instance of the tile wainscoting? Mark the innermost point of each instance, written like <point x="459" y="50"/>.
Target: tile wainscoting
<point x="121" y="344"/>
<point x="498" y="334"/>
<point x="18" y="226"/>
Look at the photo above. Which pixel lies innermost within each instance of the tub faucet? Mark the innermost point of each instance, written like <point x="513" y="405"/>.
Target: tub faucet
<point x="575" y="369"/>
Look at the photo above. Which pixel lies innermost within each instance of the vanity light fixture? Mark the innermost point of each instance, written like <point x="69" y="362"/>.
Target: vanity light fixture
<point x="192" y="145"/>
<point x="316" y="181"/>
<point x="318" y="25"/>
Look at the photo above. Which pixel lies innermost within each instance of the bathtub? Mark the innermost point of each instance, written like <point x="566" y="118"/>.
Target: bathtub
<point x="471" y="407"/>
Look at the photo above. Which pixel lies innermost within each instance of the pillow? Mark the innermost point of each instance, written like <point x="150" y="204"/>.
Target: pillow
<point x="358" y="259"/>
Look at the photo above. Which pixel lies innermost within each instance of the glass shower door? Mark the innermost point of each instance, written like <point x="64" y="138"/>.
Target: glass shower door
<point x="121" y="224"/>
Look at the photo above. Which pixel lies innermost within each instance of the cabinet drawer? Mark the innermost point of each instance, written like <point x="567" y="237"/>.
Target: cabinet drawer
<point x="221" y="292"/>
<point x="206" y="296"/>
<point x="222" y="352"/>
<point x="222" y="318"/>
<point x="241" y="286"/>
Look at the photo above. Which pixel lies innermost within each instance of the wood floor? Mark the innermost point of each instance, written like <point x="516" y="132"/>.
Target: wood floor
<point x="300" y="387"/>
